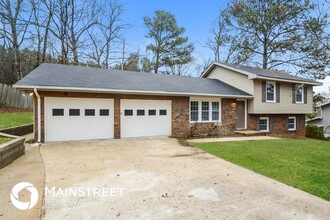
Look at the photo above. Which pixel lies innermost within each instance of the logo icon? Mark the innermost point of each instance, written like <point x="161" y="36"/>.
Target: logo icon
<point x="24" y="205"/>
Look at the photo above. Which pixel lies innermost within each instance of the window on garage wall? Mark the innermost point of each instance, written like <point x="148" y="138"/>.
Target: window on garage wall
<point x="74" y="112"/>
<point x="104" y="112"/>
<point x="89" y="112"/>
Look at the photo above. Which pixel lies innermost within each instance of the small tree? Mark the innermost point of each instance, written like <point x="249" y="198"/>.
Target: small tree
<point x="170" y="47"/>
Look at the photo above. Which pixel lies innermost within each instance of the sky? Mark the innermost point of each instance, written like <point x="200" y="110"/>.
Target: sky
<point x="196" y="16"/>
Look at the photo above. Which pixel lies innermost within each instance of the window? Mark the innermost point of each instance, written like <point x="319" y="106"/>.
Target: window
<point x="205" y="111"/>
<point x="194" y="111"/>
<point x="58" y="111"/>
<point x="104" y="112"/>
<point x="264" y="124"/>
<point x="140" y="112"/>
<point x="74" y="112"/>
<point x="162" y="112"/>
<point x="292" y="125"/>
<point x="152" y="112"/>
<point x="270" y="91"/>
<point x="299" y="94"/>
<point x="89" y="112"/>
<point x="215" y="111"/>
<point x="128" y="112"/>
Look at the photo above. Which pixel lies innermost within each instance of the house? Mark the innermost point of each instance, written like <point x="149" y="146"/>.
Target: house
<point x="324" y="119"/>
<point x="77" y="103"/>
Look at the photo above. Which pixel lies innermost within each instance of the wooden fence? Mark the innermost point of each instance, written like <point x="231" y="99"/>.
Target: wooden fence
<point x="10" y="96"/>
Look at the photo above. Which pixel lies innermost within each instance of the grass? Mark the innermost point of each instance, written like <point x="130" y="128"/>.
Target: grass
<point x="303" y="164"/>
<point x="4" y="140"/>
<point x="15" y="119"/>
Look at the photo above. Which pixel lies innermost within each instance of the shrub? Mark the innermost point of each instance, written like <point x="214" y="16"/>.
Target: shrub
<point x="313" y="131"/>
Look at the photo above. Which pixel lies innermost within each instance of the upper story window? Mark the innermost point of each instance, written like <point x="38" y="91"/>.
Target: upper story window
<point x="270" y="92"/>
<point x="299" y="94"/>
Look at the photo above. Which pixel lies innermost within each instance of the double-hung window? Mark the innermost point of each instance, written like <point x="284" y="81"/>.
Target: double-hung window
<point x="264" y="124"/>
<point x="299" y="94"/>
<point x="193" y="111"/>
<point x="270" y="92"/>
<point x="215" y="111"/>
<point x="204" y="111"/>
<point x="292" y="123"/>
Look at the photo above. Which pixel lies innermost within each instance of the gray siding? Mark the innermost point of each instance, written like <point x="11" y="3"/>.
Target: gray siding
<point x="325" y="120"/>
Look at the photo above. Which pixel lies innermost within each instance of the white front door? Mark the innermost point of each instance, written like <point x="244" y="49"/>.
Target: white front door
<point x="142" y="118"/>
<point x="78" y="119"/>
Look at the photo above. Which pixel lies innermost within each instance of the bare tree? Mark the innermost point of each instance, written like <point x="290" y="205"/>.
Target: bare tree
<point x="105" y="37"/>
<point x="11" y="13"/>
<point x="218" y="36"/>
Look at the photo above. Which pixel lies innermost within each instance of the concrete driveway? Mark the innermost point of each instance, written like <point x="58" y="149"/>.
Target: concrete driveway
<point x="164" y="180"/>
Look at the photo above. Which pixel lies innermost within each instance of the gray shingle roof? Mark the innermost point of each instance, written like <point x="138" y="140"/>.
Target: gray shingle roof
<point x="267" y="73"/>
<point x="67" y="76"/>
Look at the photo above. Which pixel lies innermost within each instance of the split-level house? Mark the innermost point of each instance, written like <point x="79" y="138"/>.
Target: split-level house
<point x="79" y="103"/>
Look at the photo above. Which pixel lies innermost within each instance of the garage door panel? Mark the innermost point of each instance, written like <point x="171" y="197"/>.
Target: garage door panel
<point x="82" y="127"/>
<point x="136" y="125"/>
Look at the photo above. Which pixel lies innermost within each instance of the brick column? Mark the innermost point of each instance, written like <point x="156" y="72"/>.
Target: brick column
<point x="117" y="118"/>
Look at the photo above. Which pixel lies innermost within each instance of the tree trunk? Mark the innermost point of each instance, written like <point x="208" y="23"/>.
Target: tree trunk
<point x="264" y="55"/>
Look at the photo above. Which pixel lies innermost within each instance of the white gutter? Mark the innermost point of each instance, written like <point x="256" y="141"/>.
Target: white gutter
<point x="77" y="89"/>
<point x="39" y="114"/>
<point x="286" y="80"/>
<point x="255" y="76"/>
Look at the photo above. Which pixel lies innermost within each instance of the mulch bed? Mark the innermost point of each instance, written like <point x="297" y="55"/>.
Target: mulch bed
<point x="13" y="110"/>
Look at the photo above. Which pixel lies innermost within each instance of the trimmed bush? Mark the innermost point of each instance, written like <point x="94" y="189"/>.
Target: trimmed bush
<point x="313" y="131"/>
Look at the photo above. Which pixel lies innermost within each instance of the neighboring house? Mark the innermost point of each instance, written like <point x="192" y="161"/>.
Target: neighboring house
<point x="76" y="103"/>
<point x="324" y="119"/>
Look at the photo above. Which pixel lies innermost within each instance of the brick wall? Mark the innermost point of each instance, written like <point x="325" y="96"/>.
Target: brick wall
<point x="225" y="128"/>
<point x="278" y="125"/>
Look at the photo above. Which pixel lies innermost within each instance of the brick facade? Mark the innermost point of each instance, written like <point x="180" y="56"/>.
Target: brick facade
<point x="225" y="128"/>
<point x="180" y="116"/>
<point x="278" y="125"/>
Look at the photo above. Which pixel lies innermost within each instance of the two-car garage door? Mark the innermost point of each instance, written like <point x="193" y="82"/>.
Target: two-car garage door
<point x="84" y="119"/>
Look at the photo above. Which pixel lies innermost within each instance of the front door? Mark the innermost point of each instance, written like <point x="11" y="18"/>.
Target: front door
<point x="240" y="114"/>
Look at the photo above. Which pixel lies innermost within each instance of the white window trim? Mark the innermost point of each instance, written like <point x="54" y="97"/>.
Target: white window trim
<point x="302" y="95"/>
<point x="274" y="84"/>
<point x="264" y="118"/>
<point x="295" y="123"/>
<point x="200" y="100"/>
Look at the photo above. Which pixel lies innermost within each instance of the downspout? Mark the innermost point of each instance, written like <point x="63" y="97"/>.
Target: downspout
<point x="39" y="114"/>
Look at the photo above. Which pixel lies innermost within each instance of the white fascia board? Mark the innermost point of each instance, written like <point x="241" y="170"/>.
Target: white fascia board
<point x="118" y="91"/>
<point x="227" y="67"/>
<point x="255" y="76"/>
<point x="286" y="80"/>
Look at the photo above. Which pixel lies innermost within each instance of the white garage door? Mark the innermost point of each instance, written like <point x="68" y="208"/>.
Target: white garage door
<point x="141" y="118"/>
<point x="78" y="119"/>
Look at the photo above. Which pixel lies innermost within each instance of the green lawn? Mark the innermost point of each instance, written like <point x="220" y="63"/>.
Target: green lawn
<point x="3" y="140"/>
<point x="303" y="164"/>
<point x="15" y="119"/>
